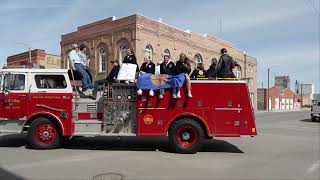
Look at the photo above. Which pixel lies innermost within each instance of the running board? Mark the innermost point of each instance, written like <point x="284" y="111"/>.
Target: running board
<point x="93" y="134"/>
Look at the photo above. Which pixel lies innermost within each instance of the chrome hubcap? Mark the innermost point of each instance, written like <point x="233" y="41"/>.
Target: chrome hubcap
<point x="186" y="136"/>
<point x="45" y="134"/>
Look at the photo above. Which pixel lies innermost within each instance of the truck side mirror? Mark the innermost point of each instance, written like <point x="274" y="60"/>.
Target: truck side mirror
<point x="5" y="91"/>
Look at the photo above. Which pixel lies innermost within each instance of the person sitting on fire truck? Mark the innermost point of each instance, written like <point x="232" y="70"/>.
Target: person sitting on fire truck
<point x="200" y="72"/>
<point x="130" y="58"/>
<point x="84" y="59"/>
<point x="212" y="68"/>
<point x="75" y="64"/>
<point x="167" y="67"/>
<point x="147" y="67"/>
<point x="225" y="65"/>
<point x="111" y="78"/>
<point x="184" y="66"/>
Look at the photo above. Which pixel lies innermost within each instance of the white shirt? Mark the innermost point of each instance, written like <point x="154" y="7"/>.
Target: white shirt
<point x="83" y="58"/>
<point x="73" y="55"/>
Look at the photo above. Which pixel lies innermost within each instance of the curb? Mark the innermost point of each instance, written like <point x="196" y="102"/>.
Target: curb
<point x="280" y="111"/>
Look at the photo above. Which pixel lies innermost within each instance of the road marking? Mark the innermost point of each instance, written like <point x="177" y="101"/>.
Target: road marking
<point x="315" y="166"/>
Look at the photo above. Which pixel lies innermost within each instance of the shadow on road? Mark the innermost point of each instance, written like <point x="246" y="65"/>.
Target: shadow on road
<point x="143" y="144"/>
<point x="12" y="140"/>
<point x="309" y="120"/>
<point x="5" y="175"/>
<point x="123" y="144"/>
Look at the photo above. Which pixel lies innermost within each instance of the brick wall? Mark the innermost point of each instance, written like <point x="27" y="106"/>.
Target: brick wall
<point x="38" y="56"/>
<point x="138" y="31"/>
<point x="279" y="99"/>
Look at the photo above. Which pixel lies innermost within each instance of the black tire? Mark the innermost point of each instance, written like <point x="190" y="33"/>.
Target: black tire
<point x="313" y="119"/>
<point x="186" y="136"/>
<point x="43" y="134"/>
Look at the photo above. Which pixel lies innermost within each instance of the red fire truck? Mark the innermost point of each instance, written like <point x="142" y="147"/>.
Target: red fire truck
<point x="45" y="104"/>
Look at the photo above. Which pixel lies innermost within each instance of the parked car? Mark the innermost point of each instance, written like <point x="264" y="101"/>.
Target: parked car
<point x="315" y="111"/>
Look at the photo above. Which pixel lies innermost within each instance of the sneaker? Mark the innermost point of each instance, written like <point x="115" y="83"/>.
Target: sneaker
<point x="189" y="94"/>
<point x="178" y="94"/>
<point x="151" y="93"/>
<point x="139" y="92"/>
<point x="87" y="92"/>
<point x="174" y="96"/>
<point x="127" y="82"/>
<point x="160" y="96"/>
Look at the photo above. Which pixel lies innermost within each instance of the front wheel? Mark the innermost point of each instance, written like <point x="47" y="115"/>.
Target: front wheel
<point x="186" y="136"/>
<point x="43" y="134"/>
<point x="313" y="119"/>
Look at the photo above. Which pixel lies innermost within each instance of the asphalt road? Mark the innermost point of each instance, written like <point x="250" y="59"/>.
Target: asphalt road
<point x="287" y="147"/>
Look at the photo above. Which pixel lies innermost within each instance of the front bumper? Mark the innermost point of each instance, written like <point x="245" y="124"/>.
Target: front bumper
<point x="315" y="115"/>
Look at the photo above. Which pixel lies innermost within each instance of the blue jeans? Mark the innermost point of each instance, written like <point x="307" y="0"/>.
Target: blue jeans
<point x="86" y="82"/>
<point x="174" y="91"/>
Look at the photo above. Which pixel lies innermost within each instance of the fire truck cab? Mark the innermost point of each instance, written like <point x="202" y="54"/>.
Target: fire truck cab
<point x="45" y="104"/>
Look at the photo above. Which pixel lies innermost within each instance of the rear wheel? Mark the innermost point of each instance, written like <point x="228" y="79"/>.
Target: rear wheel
<point x="186" y="136"/>
<point x="43" y="134"/>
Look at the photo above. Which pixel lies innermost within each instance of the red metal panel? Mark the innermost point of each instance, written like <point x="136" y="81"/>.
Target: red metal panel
<point x="248" y="126"/>
<point x="166" y="110"/>
<point x="226" y="109"/>
<point x="14" y="105"/>
<point x="155" y="115"/>
<point x="1" y="104"/>
<point x="59" y="101"/>
<point x="90" y="116"/>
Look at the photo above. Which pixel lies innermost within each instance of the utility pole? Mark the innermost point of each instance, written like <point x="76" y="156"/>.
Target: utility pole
<point x="245" y="64"/>
<point x="29" y="54"/>
<point x="301" y="95"/>
<point x="268" y="90"/>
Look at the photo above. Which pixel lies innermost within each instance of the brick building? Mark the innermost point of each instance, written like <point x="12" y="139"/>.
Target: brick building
<point x="108" y="40"/>
<point x="38" y="57"/>
<point x="282" y="82"/>
<point x="278" y="99"/>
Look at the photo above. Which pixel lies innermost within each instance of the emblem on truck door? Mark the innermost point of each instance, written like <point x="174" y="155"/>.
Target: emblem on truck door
<point x="148" y="119"/>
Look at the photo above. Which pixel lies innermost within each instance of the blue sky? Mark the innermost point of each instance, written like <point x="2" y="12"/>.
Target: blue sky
<point x="278" y="33"/>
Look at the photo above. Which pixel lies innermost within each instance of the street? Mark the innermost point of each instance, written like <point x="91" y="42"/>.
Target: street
<point x="286" y="147"/>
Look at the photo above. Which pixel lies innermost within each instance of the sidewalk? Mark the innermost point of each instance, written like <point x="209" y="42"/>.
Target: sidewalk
<point x="286" y="110"/>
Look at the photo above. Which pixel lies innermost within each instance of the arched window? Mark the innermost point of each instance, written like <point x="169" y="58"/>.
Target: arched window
<point x="102" y="59"/>
<point x="167" y="51"/>
<point x="122" y="51"/>
<point x="198" y="59"/>
<point x="148" y="51"/>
